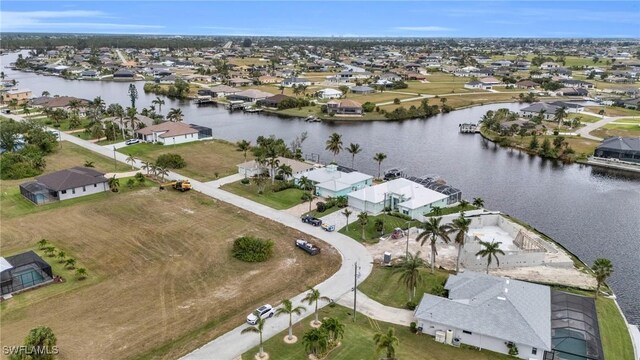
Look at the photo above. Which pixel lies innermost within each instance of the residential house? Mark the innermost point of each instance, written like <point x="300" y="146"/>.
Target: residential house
<point x="570" y="91"/>
<point x="402" y="195"/>
<point x="349" y="107"/>
<point x="64" y="184"/>
<point x="331" y="182"/>
<point x="549" y="65"/>
<point x="577" y="84"/>
<point x="274" y="101"/>
<point x="89" y="74"/>
<point x="268" y="79"/>
<point x="362" y="89"/>
<point x="329" y="93"/>
<point x="295" y="81"/>
<point x="21" y="96"/>
<point x="223" y="90"/>
<point x="23" y="271"/>
<point x="527" y="84"/>
<point x="475" y="84"/>
<point x="171" y="133"/>
<point x="124" y="74"/>
<point x="547" y="110"/>
<point x="252" y="168"/>
<point x="250" y="95"/>
<point x="239" y="82"/>
<point x="632" y="104"/>
<point x="621" y="148"/>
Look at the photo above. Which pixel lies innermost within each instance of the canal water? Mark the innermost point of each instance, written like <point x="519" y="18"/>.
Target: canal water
<point x="594" y="213"/>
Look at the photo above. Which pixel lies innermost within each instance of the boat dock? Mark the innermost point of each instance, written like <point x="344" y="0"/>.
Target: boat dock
<point x="468" y="128"/>
<point x="235" y="105"/>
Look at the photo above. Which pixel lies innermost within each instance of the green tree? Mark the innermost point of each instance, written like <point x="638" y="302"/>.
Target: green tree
<point x="159" y="102"/>
<point x="257" y="329"/>
<point x="387" y="343"/>
<point x="131" y="160"/>
<point x="602" y="269"/>
<point x="162" y="172"/>
<point x="490" y="250"/>
<point x="114" y="184"/>
<point x="344" y="89"/>
<point x="478" y="202"/>
<point x="313" y="297"/>
<point x="334" y="329"/>
<point x="534" y="144"/>
<point x="81" y="273"/>
<point x="61" y="256"/>
<point x="40" y="344"/>
<point x="378" y="224"/>
<point x="43" y="243"/>
<point x="334" y="144"/>
<point x="559" y="115"/>
<point x="546" y="147"/>
<point x="133" y="94"/>
<point x="259" y="181"/>
<point x="70" y="263"/>
<point x="243" y="146"/>
<point x="460" y="226"/>
<point x="379" y="158"/>
<point x="288" y="309"/>
<point x="434" y="230"/>
<point x="363" y="220"/>
<point x="175" y="115"/>
<point x="409" y="270"/>
<point x="354" y="149"/>
<point x="346" y="214"/>
<point x="285" y="170"/>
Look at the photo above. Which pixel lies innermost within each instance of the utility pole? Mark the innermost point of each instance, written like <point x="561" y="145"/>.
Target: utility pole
<point x="408" y="228"/>
<point x="355" y="289"/>
<point x="115" y="161"/>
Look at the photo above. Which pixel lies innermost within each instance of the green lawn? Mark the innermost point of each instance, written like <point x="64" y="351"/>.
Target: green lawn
<point x="616" y="341"/>
<point x="370" y="233"/>
<point x="278" y="200"/>
<point x="613" y="110"/>
<point x="317" y="214"/>
<point x="612" y="129"/>
<point x="384" y="284"/>
<point x="628" y="121"/>
<point x="358" y="342"/>
<point x="584" y="118"/>
<point x="452" y="210"/>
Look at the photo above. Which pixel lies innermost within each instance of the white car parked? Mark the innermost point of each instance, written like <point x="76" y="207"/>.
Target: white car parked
<point x="131" y="141"/>
<point x="263" y="312"/>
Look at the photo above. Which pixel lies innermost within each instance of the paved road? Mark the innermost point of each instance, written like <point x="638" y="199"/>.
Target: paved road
<point x="584" y="131"/>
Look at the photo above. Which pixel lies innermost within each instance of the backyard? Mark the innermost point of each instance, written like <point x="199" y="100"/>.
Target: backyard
<point x="371" y="235"/>
<point x="204" y="159"/>
<point x="278" y="200"/>
<point x="163" y="255"/>
<point x="358" y="342"/>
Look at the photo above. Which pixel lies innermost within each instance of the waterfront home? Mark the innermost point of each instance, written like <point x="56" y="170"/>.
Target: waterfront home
<point x="61" y="102"/>
<point x="89" y="74"/>
<point x="348" y="107"/>
<point x="171" y="133"/>
<point x="571" y="83"/>
<point x="63" y="185"/>
<point x="362" y="89"/>
<point x="124" y="74"/>
<point x="250" y="95"/>
<point x="223" y="90"/>
<point x="239" y="82"/>
<point x="295" y="81"/>
<point x="274" y="101"/>
<point x="527" y="84"/>
<point x="252" y="167"/>
<point x="632" y="104"/>
<point x="331" y="182"/>
<point x="546" y="110"/>
<point x="570" y="91"/>
<point x="329" y="93"/>
<point x="402" y="195"/>
<point x="21" y="96"/>
<point x="621" y="148"/>
<point x="23" y="271"/>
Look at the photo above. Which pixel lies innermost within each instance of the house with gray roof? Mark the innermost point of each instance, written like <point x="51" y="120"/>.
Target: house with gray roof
<point x="64" y="184"/>
<point x="490" y="312"/>
<point x="621" y="148"/>
<point x="545" y="109"/>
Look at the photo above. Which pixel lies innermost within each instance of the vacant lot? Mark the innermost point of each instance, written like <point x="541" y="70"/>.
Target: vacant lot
<point x="278" y="200"/>
<point x="613" y="111"/>
<point x="204" y="158"/>
<point x="358" y="342"/>
<point x="609" y="130"/>
<point x="166" y="282"/>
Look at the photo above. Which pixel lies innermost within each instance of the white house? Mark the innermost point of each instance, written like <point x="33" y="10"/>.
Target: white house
<point x="64" y="184"/>
<point x="490" y="312"/>
<point x="329" y="93"/>
<point x="331" y="182"/>
<point x="405" y="196"/>
<point x="295" y="81"/>
<point x="168" y="133"/>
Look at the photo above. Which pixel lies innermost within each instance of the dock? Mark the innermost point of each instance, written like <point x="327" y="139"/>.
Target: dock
<point x="251" y="109"/>
<point x="235" y="105"/>
<point x="468" y="128"/>
<point x="613" y="164"/>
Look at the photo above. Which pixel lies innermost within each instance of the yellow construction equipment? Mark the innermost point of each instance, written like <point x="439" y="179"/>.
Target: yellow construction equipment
<point x="182" y="185"/>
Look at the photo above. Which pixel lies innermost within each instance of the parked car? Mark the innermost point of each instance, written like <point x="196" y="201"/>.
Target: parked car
<point x="327" y="227"/>
<point x="132" y="141"/>
<point x="263" y="312"/>
<point x="308" y="247"/>
<point x="311" y="220"/>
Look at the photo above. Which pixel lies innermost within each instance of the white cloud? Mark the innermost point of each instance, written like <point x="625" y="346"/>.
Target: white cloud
<point x="423" y="28"/>
<point x="44" y="20"/>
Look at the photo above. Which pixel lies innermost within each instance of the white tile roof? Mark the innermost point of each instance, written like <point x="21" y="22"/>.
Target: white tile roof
<point x="324" y="175"/>
<point x="416" y="195"/>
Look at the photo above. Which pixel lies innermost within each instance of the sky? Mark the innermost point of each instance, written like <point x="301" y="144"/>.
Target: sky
<point x="553" y="19"/>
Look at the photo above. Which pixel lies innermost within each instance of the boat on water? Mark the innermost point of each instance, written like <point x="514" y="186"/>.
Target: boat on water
<point x="468" y="128"/>
<point x="312" y="118"/>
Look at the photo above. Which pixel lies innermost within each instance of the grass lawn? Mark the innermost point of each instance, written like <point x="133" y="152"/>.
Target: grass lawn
<point x="628" y="121"/>
<point x="437" y="88"/>
<point x="583" y="147"/>
<point x="584" y="118"/>
<point x="616" y="341"/>
<point x="462" y="100"/>
<point x="358" y="342"/>
<point x="384" y="285"/>
<point x="612" y="129"/>
<point x="204" y="158"/>
<point x="248" y="61"/>
<point x="613" y="111"/>
<point x="370" y="233"/>
<point x="317" y="214"/>
<point x="161" y="277"/>
<point x="278" y="200"/>
<point x="379" y="97"/>
<point x="453" y="210"/>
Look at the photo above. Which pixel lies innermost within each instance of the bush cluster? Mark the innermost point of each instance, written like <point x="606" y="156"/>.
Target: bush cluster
<point x="252" y="249"/>
<point x="171" y="161"/>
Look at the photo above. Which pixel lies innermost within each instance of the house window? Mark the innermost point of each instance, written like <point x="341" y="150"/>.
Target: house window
<point x="73" y="191"/>
<point x="95" y="185"/>
<point x="406" y="212"/>
<point x="466" y="332"/>
<point x="534" y="351"/>
<point x="84" y="188"/>
<point x="63" y="192"/>
<point x="185" y="136"/>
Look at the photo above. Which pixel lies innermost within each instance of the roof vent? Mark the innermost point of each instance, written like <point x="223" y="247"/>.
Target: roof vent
<point x="502" y="298"/>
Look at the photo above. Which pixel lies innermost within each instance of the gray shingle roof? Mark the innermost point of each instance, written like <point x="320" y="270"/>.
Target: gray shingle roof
<point x="71" y="178"/>
<point x="621" y="143"/>
<point x="504" y="308"/>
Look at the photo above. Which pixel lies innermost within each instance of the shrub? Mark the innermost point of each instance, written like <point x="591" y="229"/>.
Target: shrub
<point x="401" y="215"/>
<point x="411" y="305"/>
<point x="368" y="106"/>
<point x="396" y="101"/>
<point x="413" y="327"/>
<point x="171" y="161"/>
<point x="342" y="201"/>
<point x="282" y="186"/>
<point x="252" y="249"/>
<point x="321" y="207"/>
<point x="245" y="181"/>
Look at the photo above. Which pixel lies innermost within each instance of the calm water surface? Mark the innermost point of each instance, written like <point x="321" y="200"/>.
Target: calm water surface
<point x="593" y="213"/>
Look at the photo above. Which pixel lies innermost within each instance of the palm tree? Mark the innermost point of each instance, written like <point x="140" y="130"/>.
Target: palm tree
<point x="313" y="296"/>
<point x="154" y="169"/>
<point x="244" y="146"/>
<point x="334" y="144"/>
<point x="114" y="183"/>
<point x="25" y="109"/>
<point x="146" y="165"/>
<point x="478" y="202"/>
<point x="387" y="343"/>
<point x="463" y="204"/>
<point x="81" y="273"/>
<point x="409" y="269"/>
<point x="70" y="263"/>
<point x="460" y="226"/>
<point x="379" y="157"/>
<point x="162" y="172"/>
<point x="13" y="103"/>
<point x="285" y="170"/>
<point x="490" y="250"/>
<point x="61" y="255"/>
<point x="346" y="214"/>
<point x="316" y="341"/>
<point x="273" y="163"/>
<point x="45" y="93"/>
<point x="259" y="181"/>
<point x="334" y="329"/>
<point x="43" y="243"/>
<point x="257" y="329"/>
<point x="281" y="88"/>
<point x="175" y="115"/>
<point x="131" y="160"/>
<point x="560" y="115"/>
<point x="433" y="231"/>
<point x="308" y="197"/>
<point x="288" y="309"/>
<point x="118" y="112"/>
<point x="131" y="117"/>
<point x="158" y="102"/>
<point x="133" y="94"/>
<point x="602" y="269"/>
<point x="354" y="149"/>
<point x="363" y="219"/>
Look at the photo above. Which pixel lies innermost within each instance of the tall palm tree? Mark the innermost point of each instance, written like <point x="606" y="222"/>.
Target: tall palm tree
<point x="313" y="296"/>
<point x="175" y="115"/>
<point x="478" y="202"/>
<point x="387" y="343"/>
<point x="146" y="166"/>
<point x="285" y="170"/>
<point x="602" y="269"/>
<point x="281" y="88"/>
<point x="379" y="157"/>
<point x="154" y="169"/>
<point x="273" y="164"/>
<point x="490" y="250"/>
<point x="114" y="183"/>
<point x="460" y="227"/>
<point x="133" y="94"/>
<point x="334" y="144"/>
<point x="354" y="149"/>
<point x="433" y="231"/>
<point x="257" y="329"/>
<point x="463" y="204"/>
<point x="244" y="146"/>
<point x="308" y="197"/>
<point x="560" y="115"/>
<point x="130" y="160"/>
<point x="158" y="102"/>
<point x="260" y="182"/>
<point x="118" y="111"/>
<point x="162" y="172"/>
<point x="346" y="214"/>
<point x="288" y="309"/>
<point x="409" y="269"/>
<point x="363" y="219"/>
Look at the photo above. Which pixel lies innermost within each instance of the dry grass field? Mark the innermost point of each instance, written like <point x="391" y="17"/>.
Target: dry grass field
<point x="162" y="280"/>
